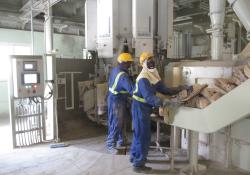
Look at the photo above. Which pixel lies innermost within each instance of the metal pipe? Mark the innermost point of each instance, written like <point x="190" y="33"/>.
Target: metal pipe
<point x="32" y="28"/>
<point x="241" y="8"/>
<point x="217" y="45"/>
<point x="217" y="15"/>
<point x="155" y="26"/>
<point x="193" y="151"/>
<point x="239" y="34"/>
<point x="48" y="31"/>
<point x="173" y="146"/>
<point x="228" y="143"/>
<point x="43" y="119"/>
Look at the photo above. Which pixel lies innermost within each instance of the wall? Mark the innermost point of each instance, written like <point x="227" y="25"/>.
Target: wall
<point x="68" y="46"/>
<point x="214" y="147"/>
<point x="240" y="140"/>
<point x="4" y="98"/>
<point x="241" y="144"/>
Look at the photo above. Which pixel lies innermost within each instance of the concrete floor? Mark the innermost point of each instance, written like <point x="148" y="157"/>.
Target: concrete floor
<point x="85" y="156"/>
<point x="5" y="134"/>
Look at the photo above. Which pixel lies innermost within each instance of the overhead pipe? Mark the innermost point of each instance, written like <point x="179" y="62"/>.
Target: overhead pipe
<point x="48" y="30"/>
<point x="217" y="16"/>
<point x="239" y="33"/>
<point x="241" y="8"/>
<point x="32" y="28"/>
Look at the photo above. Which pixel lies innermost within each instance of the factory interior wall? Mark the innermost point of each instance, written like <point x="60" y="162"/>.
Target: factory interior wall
<point x="68" y="46"/>
<point x="240" y="144"/>
<point x="213" y="146"/>
<point x="4" y="108"/>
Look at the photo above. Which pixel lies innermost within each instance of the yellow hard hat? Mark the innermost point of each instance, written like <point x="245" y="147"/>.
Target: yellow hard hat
<point x="145" y="56"/>
<point x="124" y="57"/>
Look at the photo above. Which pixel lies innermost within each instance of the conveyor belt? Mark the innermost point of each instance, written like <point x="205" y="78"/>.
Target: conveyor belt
<point x="230" y="108"/>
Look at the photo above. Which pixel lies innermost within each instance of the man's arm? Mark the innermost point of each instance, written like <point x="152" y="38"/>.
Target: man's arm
<point x="160" y="87"/>
<point x="148" y="93"/>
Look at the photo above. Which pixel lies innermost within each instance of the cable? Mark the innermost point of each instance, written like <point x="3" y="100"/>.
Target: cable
<point x="36" y="100"/>
<point x="50" y="94"/>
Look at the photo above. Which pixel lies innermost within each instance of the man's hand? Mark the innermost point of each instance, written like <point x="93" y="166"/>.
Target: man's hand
<point x="161" y="111"/>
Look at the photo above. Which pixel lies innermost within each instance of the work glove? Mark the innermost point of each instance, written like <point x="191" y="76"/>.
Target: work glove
<point x="172" y="103"/>
<point x="186" y="87"/>
<point x="161" y="111"/>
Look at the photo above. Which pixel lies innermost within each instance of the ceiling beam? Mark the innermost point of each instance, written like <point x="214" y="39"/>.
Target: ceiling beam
<point x="38" y="6"/>
<point x="13" y="18"/>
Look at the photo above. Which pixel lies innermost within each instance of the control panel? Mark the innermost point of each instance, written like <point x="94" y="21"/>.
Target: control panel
<point x="28" y="76"/>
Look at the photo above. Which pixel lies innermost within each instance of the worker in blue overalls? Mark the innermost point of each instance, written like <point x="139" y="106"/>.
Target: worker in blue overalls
<point x="120" y="87"/>
<point x="144" y="99"/>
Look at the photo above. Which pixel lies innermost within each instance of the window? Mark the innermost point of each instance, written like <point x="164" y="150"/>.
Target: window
<point x="5" y="51"/>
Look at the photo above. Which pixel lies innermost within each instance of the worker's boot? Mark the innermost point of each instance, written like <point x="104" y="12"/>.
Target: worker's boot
<point x="132" y="160"/>
<point x="112" y="151"/>
<point x="142" y="169"/>
<point x="121" y="145"/>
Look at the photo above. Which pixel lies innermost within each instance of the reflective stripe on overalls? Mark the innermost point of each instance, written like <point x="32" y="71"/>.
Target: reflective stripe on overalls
<point x="142" y="100"/>
<point x="112" y="89"/>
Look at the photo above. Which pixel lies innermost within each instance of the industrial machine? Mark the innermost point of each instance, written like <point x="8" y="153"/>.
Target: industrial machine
<point x="107" y="34"/>
<point x="206" y="125"/>
<point x="26" y="96"/>
<point x="206" y="72"/>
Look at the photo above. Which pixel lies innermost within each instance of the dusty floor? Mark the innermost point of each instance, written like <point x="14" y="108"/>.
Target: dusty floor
<point x="85" y="156"/>
<point x="5" y="134"/>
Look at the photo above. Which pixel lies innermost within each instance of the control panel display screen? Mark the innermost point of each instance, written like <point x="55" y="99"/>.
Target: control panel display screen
<point x="30" y="78"/>
<point x="30" y="65"/>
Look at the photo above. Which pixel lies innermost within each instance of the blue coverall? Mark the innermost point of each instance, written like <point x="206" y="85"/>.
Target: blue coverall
<point x="117" y="101"/>
<point x="141" y="117"/>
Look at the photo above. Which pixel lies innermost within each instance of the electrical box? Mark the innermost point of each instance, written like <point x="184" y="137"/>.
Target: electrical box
<point x="143" y="45"/>
<point x="114" y="25"/>
<point x="125" y="23"/>
<point x="90" y="24"/>
<point x="143" y="26"/>
<point x="27" y="76"/>
<point x="106" y="31"/>
<point x="165" y="26"/>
